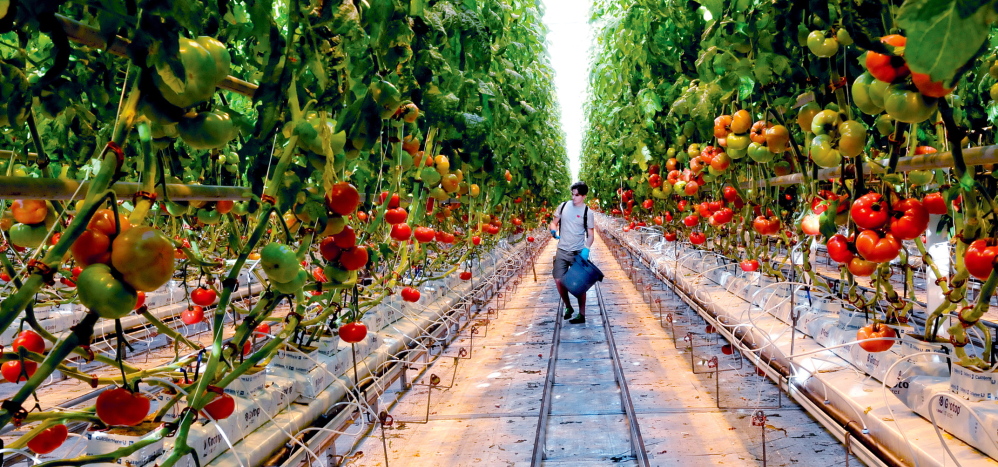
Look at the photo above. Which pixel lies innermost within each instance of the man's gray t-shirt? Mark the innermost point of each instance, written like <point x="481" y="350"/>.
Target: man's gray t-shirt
<point x="573" y="236"/>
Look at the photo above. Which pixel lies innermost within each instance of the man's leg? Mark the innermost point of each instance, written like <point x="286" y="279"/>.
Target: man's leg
<point x="564" y="297"/>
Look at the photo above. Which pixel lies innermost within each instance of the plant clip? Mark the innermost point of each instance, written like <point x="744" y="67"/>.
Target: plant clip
<point x="268" y="199"/>
<point x="94" y="381"/>
<point x="838" y="84"/>
<point x="118" y="153"/>
<point x="142" y="310"/>
<point x="144" y="195"/>
<point x="953" y="341"/>
<point x="963" y="322"/>
<point x="89" y="351"/>
<point x="171" y="428"/>
<point x="37" y="267"/>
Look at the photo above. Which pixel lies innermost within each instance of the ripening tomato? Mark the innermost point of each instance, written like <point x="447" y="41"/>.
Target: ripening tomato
<point x="203" y="296"/>
<point x="120" y="406"/>
<point x="49" y="439"/>
<point x="104" y="222"/>
<point x="29" y="211"/>
<point x="872" y="247"/>
<point x="91" y="247"/>
<point x="876" y="331"/>
<point x="980" y="257"/>
<point x="838" y="249"/>
<point x="144" y="258"/>
<point x="30" y="340"/>
<point x="869" y="211"/>
<point x="861" y="267"/>
<point x="928" y="87"/>
<point x="353" y="332"/>
<point x="140" y="299"/>
<point x="12" y="370"/>
<point x="192" y="315"/>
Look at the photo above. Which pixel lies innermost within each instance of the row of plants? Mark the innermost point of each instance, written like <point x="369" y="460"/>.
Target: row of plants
<point x="381" y="144"/>
<point x="693" y="112"/>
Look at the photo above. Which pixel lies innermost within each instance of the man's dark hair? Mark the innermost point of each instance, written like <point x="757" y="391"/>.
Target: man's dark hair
<point x="581" y="187"/>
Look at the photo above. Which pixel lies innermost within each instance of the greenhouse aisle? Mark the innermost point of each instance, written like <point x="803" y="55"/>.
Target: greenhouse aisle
<point x="488" y="414"/>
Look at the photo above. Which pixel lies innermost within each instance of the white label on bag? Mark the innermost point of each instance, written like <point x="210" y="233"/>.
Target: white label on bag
<point x="973" y="385"/>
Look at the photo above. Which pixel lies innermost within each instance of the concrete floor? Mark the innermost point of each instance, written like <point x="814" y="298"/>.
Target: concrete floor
<point x="489" y="417"/>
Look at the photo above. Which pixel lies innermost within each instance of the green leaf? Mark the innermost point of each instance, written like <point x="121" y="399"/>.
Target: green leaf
<point x="943" y="35"/>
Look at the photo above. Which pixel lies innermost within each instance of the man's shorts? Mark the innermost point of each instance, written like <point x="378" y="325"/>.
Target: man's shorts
<point x="562" y="261"/>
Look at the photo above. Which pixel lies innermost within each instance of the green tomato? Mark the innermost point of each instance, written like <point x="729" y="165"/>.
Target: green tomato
<point x="688" y="129"/>
<point x="824" y="153"/>
<point x="279" y="262"/>
<point x="681" y="140"/>
<point x="919" y="177"/>
<point x="292" y="287"/>
<point x="207" y="130"/>
<point x="103" y="293"/>
<point x="861" y="94"/>
<point x="908" y="106"/>
<point x="693" y="150"/>
<point x="736" y="154"/>
<point x="219" y="55"/>
<point x="209" y="216"/>
<point x="877" y="91"/>
<point x="760" y="153"/>
<point x="241" y="208"/>
<point x="671" y="152"/>
<point x="177" y="209"/>
<point x="680" y="188"/>
<point x="820" y="45"/>
<point x="825" y="122"/>
<point x="738" y="142"/>
<point x="852" y="138"/>
<point x="885" y="125"/>
<point x="994" y="91"/>
<point x="843" y="37"/>
<point x="198" y="83"/>
<point x="28" y="236"/>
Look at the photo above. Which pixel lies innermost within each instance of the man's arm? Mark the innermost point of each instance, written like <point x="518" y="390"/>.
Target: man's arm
<point x="590" y="238"/>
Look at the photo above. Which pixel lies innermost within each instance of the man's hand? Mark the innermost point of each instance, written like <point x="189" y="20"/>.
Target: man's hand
<point x="584" y="254"/>
<point x="554" y="233"/>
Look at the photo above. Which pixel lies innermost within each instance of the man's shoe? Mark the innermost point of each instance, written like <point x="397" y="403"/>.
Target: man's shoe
<point x="578" y="319"/>
<point x="568" y="313"/>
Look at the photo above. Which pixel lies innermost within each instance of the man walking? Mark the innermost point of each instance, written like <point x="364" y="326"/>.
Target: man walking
<point x="576" y="222"/>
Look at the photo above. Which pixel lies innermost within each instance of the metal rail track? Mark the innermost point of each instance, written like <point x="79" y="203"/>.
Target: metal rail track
<point x="638" y="451"/>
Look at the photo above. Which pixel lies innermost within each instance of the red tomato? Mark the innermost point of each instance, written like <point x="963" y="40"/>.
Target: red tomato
<point x="49" y="439"/>
<point x="103" y="221"/>
<point x="319" y="275"/>
<point x="122" y="407"/>
<point x="749" y="265"/>
<point x="192" y="315"/>
<point x="869" y="211"/>
<point x="396" y="216"/>
<point x="346" y="238"/>
<point x="424" y="234"/>
<point x="691" y="220"/>
<point x="262" y="330"/>
<point x="648" y="203"/>
<point x="328" y="249"/>
<point x="401" y="232"/>
<point x="934" y="203"/>
<point x="766" y="226"/>
<point x="838" y="249"/>
<point x="410" y="294"/>
<point x="875" y="248"/>
<point x="11" y="370"/>
<point x="811" y="225"/>
<point x="91" y="247"/>
<point x="465" y="275"/>
<point x="980" y="256"/>
<point x="354" y="258"/>
<point x="476" y="240"/>
<point x="698" y="238"/>
<point x="910" y="219"/>
<point x="30" y="340"/>
<point x="140" y="299"/>
<point x="203" y="296"/>
<point x="220" y="407"/>
<point x="927" y="87"/>
<point x="343" y="198"/>
<point x="529" y="239"/>
<point x="861" y="267"/>
<point x="353" y="332"/>
<point x="887" y="68"/>
<point x="731" y="194"/>
<point x="873" y="331"/>
<point x="224" y="206"/>
<point x="670" y="236"/>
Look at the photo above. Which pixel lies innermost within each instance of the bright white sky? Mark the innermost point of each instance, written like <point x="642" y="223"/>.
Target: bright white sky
<point x="569" y="41"/>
